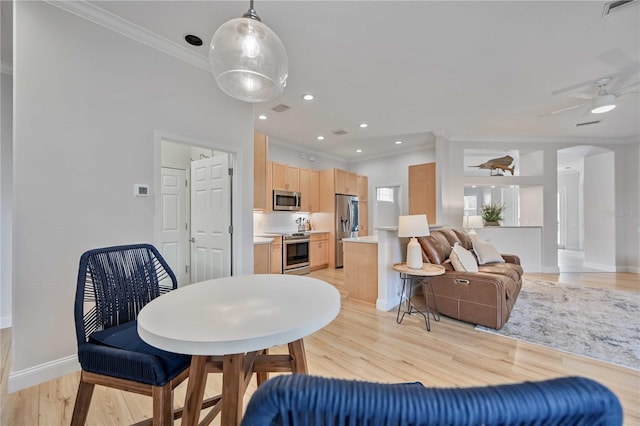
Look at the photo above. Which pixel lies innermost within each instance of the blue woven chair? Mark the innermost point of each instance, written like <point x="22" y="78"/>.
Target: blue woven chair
<point x="307" y="400"/>
<point x="114" y="284"/>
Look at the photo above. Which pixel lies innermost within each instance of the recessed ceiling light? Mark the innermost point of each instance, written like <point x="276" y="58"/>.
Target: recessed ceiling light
<point x="358" y="150"/>
<point x="193" y="40"/>
<point x="398" y="142"/>
<point x="262" y="117"/>
<point x="320" y="138"/>
<point x="493" y="186"/>
<point x="307" y="97"/>
<point x="363" y="125"/>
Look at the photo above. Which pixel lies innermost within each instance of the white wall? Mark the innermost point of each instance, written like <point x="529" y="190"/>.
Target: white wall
<point x="599" y="212"/>
<point x="6" y="182"/>
<point x="633" y="213"/>
<point x="390" y="171"/>
<point x="282" y="151"/>
<point x="571" y="183"/>
<point x="87" y="103"/>
<point x="531" y="212"/>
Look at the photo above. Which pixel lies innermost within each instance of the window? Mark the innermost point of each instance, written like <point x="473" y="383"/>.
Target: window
<point x="470" y="205"/>
<point x="385" y="194"/>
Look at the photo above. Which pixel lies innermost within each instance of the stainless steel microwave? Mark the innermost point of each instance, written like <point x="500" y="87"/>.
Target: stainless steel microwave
<point x="286" y="200"/>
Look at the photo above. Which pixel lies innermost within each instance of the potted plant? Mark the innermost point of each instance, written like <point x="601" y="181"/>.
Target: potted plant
<point x="492" y="214"/>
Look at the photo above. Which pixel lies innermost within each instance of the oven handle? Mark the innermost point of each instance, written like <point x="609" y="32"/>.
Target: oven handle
<point x="303" y="240"/>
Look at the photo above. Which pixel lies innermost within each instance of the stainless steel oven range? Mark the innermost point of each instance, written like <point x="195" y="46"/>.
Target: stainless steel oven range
<point x="295" y="253"/>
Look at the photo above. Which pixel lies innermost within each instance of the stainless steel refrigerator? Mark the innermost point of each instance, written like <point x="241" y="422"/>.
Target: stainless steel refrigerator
<point x="346" y="222"/>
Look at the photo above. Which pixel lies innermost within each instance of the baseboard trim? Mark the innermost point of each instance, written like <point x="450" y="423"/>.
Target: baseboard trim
<point x="604" y="268"/>
<point x="32" y="376"/>
<point x="634" y="269"/>
<point x="387" y="304"/>
<point x="5" y="321"/>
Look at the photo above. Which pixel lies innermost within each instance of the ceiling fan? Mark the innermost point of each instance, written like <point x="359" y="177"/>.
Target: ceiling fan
<point x="599" y="98"/>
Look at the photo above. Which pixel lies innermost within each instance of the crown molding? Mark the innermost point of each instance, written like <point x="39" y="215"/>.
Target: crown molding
<point x="6" y="67"/>
<point x="395" y="152"/>
<point x="541" y="139"/>
<point x="128" y="29"/>
<point x="301" y="148"/>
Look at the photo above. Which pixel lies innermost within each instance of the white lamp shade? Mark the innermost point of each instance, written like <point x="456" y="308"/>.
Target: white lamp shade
<point x="248" y="60"/>
<point x="473" y="222"/>
<point x="413" y="226"/>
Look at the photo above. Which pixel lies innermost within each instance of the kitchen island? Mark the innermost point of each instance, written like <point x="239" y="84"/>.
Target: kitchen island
<point x="368" y="268"/>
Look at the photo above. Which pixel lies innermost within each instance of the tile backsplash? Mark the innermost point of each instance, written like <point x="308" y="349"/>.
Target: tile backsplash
<point x="276" y="221"/>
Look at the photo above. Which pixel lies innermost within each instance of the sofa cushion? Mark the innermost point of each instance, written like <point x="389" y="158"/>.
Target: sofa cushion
<point x="464" y="238"/>
<point x="436" y="247"/>
<point x="500" y="269"/>
<point x="462" y="259"/>
<point x="486" y="253"/>
<point x="157" y="366"/>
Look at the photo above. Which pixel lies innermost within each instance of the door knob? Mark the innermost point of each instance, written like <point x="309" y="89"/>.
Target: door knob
<point x="193" y="240"/>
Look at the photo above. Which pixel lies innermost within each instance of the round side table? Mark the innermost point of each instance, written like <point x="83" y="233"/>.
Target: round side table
<point x="423" y="275"/>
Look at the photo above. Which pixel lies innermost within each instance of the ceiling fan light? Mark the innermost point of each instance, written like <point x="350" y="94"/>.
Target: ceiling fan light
<point x="248" y="60"/>
<point x="603" y="104"/>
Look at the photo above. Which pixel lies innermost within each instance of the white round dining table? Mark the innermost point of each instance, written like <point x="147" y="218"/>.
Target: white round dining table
<point x="228" y="324"/>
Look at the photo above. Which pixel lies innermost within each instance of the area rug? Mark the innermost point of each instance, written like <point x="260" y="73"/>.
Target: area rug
<point x="592" y="322"/>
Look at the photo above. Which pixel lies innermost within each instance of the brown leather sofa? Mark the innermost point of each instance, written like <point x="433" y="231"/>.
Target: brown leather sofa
<point x="485" y="297"/>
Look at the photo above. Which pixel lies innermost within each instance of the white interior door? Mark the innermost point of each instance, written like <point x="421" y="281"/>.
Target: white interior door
<point x="210" y="218"/>
<point x="175" y="234"/>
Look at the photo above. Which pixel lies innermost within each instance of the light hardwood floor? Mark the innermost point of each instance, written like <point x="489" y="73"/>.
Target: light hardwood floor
<point x="363" y="343"/>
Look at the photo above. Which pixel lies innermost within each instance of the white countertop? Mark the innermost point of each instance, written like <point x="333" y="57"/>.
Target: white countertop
<point x="238" y="314"/>
<point x="262" y="240"/>
<point x="369" y="239"/>
<point x="268" y="234"/>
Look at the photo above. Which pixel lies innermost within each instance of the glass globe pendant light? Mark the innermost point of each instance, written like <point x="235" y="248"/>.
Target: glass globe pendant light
<point x="248" y="59"/>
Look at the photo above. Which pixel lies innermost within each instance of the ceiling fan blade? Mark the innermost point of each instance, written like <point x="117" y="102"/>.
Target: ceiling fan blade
<point x="582" y="95"/>
<point x="583" y="84"/>
<point x="563" y="110"/>
<point x="622" y="90"/>
<point x="627" y="93"/>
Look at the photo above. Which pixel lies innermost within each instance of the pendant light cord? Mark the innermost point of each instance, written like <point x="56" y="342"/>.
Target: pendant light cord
<point x="251" y="13"/>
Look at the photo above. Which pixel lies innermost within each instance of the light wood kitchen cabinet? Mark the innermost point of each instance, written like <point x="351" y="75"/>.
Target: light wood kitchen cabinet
<point x="285" y="177"/>
<point x="363" y="188"/>
<point x="422" y="190"/>
<point x="261" y="188"/>
<point x="310" y="190"/>
<point x="261" y="258"/>
<point x="363" y="219"/>
<point x="346" y="182"/>
<point x="318" y="251"/>
<point x="276" y="256"/>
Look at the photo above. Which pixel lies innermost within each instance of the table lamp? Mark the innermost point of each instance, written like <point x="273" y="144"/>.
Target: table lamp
<point x="413" y="226"/>
<point x="471" y="222"/>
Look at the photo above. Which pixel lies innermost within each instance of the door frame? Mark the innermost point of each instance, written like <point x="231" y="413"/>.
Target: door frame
<point x="234" y="159"/>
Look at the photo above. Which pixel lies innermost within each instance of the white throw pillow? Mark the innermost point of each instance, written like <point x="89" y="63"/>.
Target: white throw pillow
<point x="462" y="259"/>
<point x="486" y="253"/>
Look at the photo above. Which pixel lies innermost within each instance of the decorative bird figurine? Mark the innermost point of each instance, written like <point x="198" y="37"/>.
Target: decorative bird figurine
<point x="501" y="163"/>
